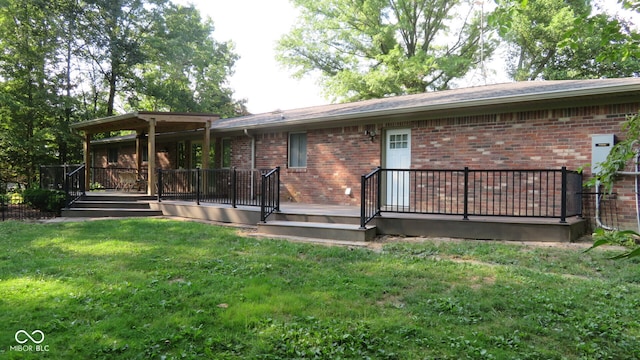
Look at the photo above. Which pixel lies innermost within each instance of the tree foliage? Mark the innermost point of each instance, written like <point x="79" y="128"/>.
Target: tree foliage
<point x="564" y="39"/>
<point x="63" y="61"/>
<point x="620" y="156"/>
<point x="187" y="70"/>
<point x="374" y="48"/>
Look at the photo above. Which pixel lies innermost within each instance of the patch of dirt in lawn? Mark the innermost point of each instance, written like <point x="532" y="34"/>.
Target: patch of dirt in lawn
<point x="583" y="243"/>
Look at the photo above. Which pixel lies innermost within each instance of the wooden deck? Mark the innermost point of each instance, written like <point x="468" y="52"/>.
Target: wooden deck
<point x="334" y="221"/>
<point x="309" y="220"/>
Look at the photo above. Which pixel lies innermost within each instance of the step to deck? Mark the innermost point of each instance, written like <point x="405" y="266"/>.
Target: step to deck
<point x="347" y="232"/>
<point x="109" y="212"/>
<point x="110" y="204"/>
<point x="121" y="197"/>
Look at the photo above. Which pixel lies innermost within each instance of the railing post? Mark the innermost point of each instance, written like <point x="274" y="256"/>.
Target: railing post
<point x="466" y="194"/>
<point x="563" y="197"/>
<point x="379" y="190"/>
<point x="66" y="187"/>
<point x="160" y="185"/>
<point x="277" y="208"/>
<point x="363" y="201"/>
<point x="263" y="198"/>
<point x="234" y="187"/>
<point x="197" y="186"/>
<point x="83" y="175"/>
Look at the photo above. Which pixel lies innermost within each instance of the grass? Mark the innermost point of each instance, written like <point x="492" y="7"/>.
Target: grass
<point x="161" y="289"/>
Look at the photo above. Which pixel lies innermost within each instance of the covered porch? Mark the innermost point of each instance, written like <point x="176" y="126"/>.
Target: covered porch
<point x="145" y="124"/>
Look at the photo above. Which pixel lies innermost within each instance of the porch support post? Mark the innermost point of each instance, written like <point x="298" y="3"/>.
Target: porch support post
<point x="139" y="136"/>
<point x="151" y="178"/>
<point x="87" y="160"/>
<point x="206" y="145"/>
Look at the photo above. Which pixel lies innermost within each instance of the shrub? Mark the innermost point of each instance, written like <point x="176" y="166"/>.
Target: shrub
<point x="45" y="200"/>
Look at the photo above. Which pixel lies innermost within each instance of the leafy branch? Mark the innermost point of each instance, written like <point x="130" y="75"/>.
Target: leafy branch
<point x="616" y="161"/>
<point x="620" y="155"/>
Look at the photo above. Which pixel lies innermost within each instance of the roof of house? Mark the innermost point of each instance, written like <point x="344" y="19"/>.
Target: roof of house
<point x="487" y="99"/>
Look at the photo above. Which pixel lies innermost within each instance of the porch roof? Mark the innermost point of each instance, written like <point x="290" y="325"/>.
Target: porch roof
<point x="139" y="122"/>
<point x="532" y="95"/>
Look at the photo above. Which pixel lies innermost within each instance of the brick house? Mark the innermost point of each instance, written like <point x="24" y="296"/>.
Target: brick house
<point x="323" y="151"/>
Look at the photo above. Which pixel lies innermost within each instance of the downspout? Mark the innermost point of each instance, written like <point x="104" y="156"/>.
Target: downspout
<point x="253" y="160"/>
<point x="598" y="221"/>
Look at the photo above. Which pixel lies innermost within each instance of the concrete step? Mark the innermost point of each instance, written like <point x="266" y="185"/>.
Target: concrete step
<point x="111" y="204"/>
<point x="317" y="218"/>
<point x="109" y="212"/>
<point x="347" y="232"/>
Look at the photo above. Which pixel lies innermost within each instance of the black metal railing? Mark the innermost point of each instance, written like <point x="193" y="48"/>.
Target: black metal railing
<point x="235" y="187"/>
<point x="52" y="177"/>
<point x="370" y="204"/>
<point x="17" y="202"/>
<point x="515" y="193"/>
<point x="111" y="177"/>
<point x="221" y="186"/>
<point x="270" y="201"/>
<point x="74" y="185"/>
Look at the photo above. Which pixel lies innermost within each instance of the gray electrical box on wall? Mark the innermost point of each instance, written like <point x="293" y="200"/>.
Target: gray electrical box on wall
<point x="600" y="148"/>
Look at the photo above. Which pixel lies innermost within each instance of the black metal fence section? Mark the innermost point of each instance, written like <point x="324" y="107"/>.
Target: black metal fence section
<point x="111" y="177"/>
<point x="515" y="193"/>
<point x="74" y="185"/>
<point x="235" y="187"/>
<point x="370" y="203"/>
<point x="52" y="177"/>
<point x="270" y="201"/>
<point x="15" y="205"/>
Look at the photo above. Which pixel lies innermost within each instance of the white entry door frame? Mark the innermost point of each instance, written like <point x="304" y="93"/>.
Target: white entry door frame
<point x="397" y="156"/>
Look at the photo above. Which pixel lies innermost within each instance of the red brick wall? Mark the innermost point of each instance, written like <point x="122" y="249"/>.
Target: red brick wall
<point x="336" y="158"/>
<point x="549" y="139"/>
<point x="127" y="155"/>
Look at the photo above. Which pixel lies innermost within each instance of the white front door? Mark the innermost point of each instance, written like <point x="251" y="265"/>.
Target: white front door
<point x="398" y="156"/>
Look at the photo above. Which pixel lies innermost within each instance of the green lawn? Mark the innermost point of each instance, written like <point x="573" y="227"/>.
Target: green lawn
<point x="138" y="289"/>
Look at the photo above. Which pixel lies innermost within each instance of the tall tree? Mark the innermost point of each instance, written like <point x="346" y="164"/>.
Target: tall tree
<point x="534" y="29"/>
<point x="114" y="31"/>
<point x="564" y="39"/>
<point x="62" y="61"/>
<point x="27" y="62"/>
<point x="187" y="70"/>
<point x="597" y="47"/>
<point x="373" y="48"/>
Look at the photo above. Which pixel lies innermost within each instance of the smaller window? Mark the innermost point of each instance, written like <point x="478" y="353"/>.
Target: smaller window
<point x="182" y="155"/>
<point x="298" y="150"/>
<point x="226" y="153"/>
<point x="112" y="155"/>
<point x="145" y="154"/>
